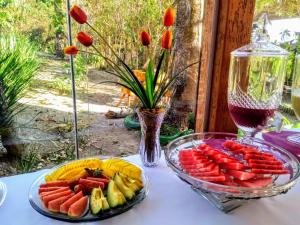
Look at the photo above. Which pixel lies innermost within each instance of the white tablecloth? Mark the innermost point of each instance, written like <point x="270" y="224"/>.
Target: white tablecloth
<point x="170" y="202"/>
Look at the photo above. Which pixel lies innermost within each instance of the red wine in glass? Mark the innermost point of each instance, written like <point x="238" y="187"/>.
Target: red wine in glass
<point x="250" y="118"/>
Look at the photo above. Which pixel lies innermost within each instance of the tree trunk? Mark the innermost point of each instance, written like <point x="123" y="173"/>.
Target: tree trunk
<point x="185" y="51"/>
<point x="58" y="33"/>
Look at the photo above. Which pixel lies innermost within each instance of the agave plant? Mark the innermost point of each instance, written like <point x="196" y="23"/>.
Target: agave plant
<point x="18" y="64"/>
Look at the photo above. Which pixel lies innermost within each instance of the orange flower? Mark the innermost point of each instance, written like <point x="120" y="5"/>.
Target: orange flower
<point x="78" y="14"/>
<point x="71" y="50"/>
<point x="169" y="17"/>
<point x="145" y="38"/>
<point x="166" y="40"/>
<point x="84" y="39"/>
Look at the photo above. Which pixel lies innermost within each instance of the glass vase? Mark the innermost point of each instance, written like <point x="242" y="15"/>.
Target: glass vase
<point x="149" y="149"/>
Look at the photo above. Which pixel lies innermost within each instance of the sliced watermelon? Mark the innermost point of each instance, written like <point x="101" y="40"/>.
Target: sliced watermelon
<point x="225" y="160"/>
<point x="198" y="170"/>
<point x="103" y="180"/>
<point x="48" y="189"/>
<point x="54" y="191"/>
<point x="78" y="208"/>
<point x="247" y="150"/>
<point x="48" y="198"/>
<point x="212" y="178"/>
<point x="259" y="156"/>
<point x="55" y="184"/>
<point x="64" y="208"/>
<point x="255" y="183"/>
<point x="214" y="172"/>
<point x="202" y="146"/>
<point x="188" y="152"/>
<point x="228" y="144"/>
<point x="265" y="166"/>
<point x="54" y="205"/>
<point x="263" y="161"/>
<point x="196" y="161"/>
<point x="233" y="166"/>
<point x="91" y="183"/>
<point x="241" y="175"/>
<point x="236" y="146"/>
<point x="266" y="171"/>
<point x="196" y="165"/>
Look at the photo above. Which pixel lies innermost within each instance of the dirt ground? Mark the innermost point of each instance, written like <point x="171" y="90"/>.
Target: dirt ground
<point x="46" y="126"/>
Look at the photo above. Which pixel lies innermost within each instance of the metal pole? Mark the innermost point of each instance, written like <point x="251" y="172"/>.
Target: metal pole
<point x="73" y="82"/>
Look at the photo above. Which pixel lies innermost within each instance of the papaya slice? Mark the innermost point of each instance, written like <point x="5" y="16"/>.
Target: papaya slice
<point x="78" y="165"/>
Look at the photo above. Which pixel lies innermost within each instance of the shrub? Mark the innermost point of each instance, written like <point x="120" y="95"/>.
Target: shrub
<point x="18" y="64"/>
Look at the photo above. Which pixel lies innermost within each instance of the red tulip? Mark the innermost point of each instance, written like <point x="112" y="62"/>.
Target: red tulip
<point x="169" y="17"/>
<point x="166" y="40"/>
<point x="84" y="39"/>
<point x="71" y="50"/>
<point x="145" y="38"/>
<point x="78" y="14"/>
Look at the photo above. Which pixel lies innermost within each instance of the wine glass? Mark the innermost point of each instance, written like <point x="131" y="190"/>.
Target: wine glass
<point x="255" y="86"/>
<point x="296" y="97"/>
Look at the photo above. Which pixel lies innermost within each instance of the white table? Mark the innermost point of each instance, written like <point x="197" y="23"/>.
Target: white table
<point x="170" y="202"/>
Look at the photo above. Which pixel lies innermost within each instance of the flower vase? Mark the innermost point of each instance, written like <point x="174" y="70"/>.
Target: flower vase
<point x="149" y="148"/>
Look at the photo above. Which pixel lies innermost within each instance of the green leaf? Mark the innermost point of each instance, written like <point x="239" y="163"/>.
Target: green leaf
<point x="297" y="125"/>
<point x="158" y="68"/>
<point x="149" y="83"/>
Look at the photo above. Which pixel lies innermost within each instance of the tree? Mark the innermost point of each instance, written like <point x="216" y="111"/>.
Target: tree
<point x="57" y="24"/>
<point x="277" y="8"/>
<point x="186" y="51"/>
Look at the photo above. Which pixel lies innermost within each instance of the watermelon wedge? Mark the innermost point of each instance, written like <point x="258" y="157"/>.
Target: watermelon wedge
<point x="266" y="171"/>
<point x="91" y="183"/>
<point x="214" y="172"/>
<point x="233" y="166"/>
<point x="48" y="198"/>
<point x="61" y="189"/>
<point x="205" y="169"/>
<point x="78" y="208"/>
<point x="64" y="208"/>
<point x="196" y="165"/>
<point x="241" y="175"/>
<point x="212" y="178"/>
<point x="255" y="183"/>
<point x="48" y="189"/>
<point x="55" y="184"/>
<point x="54" y="205"/>
<point x="266" y="162"/>
<point x="266" y="166"/>
<point x="259" y="156"/>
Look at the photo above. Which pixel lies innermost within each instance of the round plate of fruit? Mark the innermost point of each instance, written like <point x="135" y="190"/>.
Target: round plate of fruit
<point x="89" y="189"/>
<point x="235" y="167"/>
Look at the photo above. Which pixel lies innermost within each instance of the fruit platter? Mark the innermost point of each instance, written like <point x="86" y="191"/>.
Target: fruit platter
<point x="89" y="189"/>
<point x="228" y="170"/>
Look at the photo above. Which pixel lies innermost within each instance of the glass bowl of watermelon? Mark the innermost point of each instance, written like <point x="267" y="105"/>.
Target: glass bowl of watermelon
<point x="89" y="189"/>
<point x="237" y="168"/>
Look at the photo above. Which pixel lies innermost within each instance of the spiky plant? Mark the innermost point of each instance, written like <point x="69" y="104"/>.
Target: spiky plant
<point x="18" y="64"/>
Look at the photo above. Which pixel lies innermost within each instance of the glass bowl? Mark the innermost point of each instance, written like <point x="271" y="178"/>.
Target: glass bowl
<point x="281" y="184"/>
<point x="38" y="205"/>
<point x="3" y="191"/>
